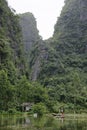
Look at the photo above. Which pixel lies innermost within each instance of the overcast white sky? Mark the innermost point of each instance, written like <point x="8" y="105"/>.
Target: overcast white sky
<point x="45" y="12"/>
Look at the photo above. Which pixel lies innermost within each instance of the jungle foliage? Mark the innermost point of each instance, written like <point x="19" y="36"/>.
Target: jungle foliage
<point x="63" y="69"/>
<point x="50" y="73"/>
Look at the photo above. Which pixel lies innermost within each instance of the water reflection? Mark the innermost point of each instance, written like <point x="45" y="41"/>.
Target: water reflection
<point x="44" y="123"/>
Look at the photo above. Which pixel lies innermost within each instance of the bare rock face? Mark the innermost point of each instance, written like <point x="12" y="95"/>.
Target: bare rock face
<point x="40" y="56"/>
<point x="83" y="9"/>
<point x="29" y="30"/>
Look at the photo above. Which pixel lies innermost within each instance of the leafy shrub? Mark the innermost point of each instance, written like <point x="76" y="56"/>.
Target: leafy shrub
<point x="12" y="111"/>
<point x="39" y="108"/>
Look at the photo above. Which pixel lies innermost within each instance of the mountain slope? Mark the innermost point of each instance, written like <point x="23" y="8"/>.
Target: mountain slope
<point x="11" y="47"/>
<point x="65" y="67"/>
<point x="71" y="26"/>
<point x="31" y="40"/>
<point x="29" y="30"/>
<point x="12" y="58"/>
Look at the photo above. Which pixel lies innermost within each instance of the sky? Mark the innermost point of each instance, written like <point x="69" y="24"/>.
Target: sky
<point x="46" y="13"/>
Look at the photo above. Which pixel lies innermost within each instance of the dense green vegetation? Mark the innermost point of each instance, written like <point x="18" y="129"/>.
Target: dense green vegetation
<point x="12" y="64"/>
<point x="14" y="85"/>
<point x="64" y="68"/>
<point x="52" y="73"/>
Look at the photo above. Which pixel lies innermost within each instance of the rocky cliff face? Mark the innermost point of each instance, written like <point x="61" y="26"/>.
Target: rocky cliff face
<point x="29" y="30"/>
<point x="65" y="67"/>
<point x="37" y="56"/>
<point x="68" y="47"/>
<point x="32" y="43"/>
<point x="54" y="55"/>
<point x="70" y="28"/>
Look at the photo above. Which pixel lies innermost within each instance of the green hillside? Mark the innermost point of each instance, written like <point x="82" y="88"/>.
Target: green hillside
<point x="64" y="69"/>
<point x="15" y="87"/>
<point x="51" y="73"/>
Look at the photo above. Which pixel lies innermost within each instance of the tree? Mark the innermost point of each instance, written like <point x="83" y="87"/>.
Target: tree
<point x="7" y="91"/>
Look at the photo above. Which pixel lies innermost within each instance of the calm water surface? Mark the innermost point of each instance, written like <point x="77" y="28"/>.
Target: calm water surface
<point x="45" y="123"/>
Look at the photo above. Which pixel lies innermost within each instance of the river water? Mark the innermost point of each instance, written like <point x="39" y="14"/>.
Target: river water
<point x="44" y="123"/>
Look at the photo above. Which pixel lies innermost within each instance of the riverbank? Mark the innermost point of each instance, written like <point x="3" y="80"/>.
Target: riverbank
<point x="84" y="115"/>
<point x="70" y="116"/>
<point x="56" y="115"/>
<point x="46" y="122"/>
